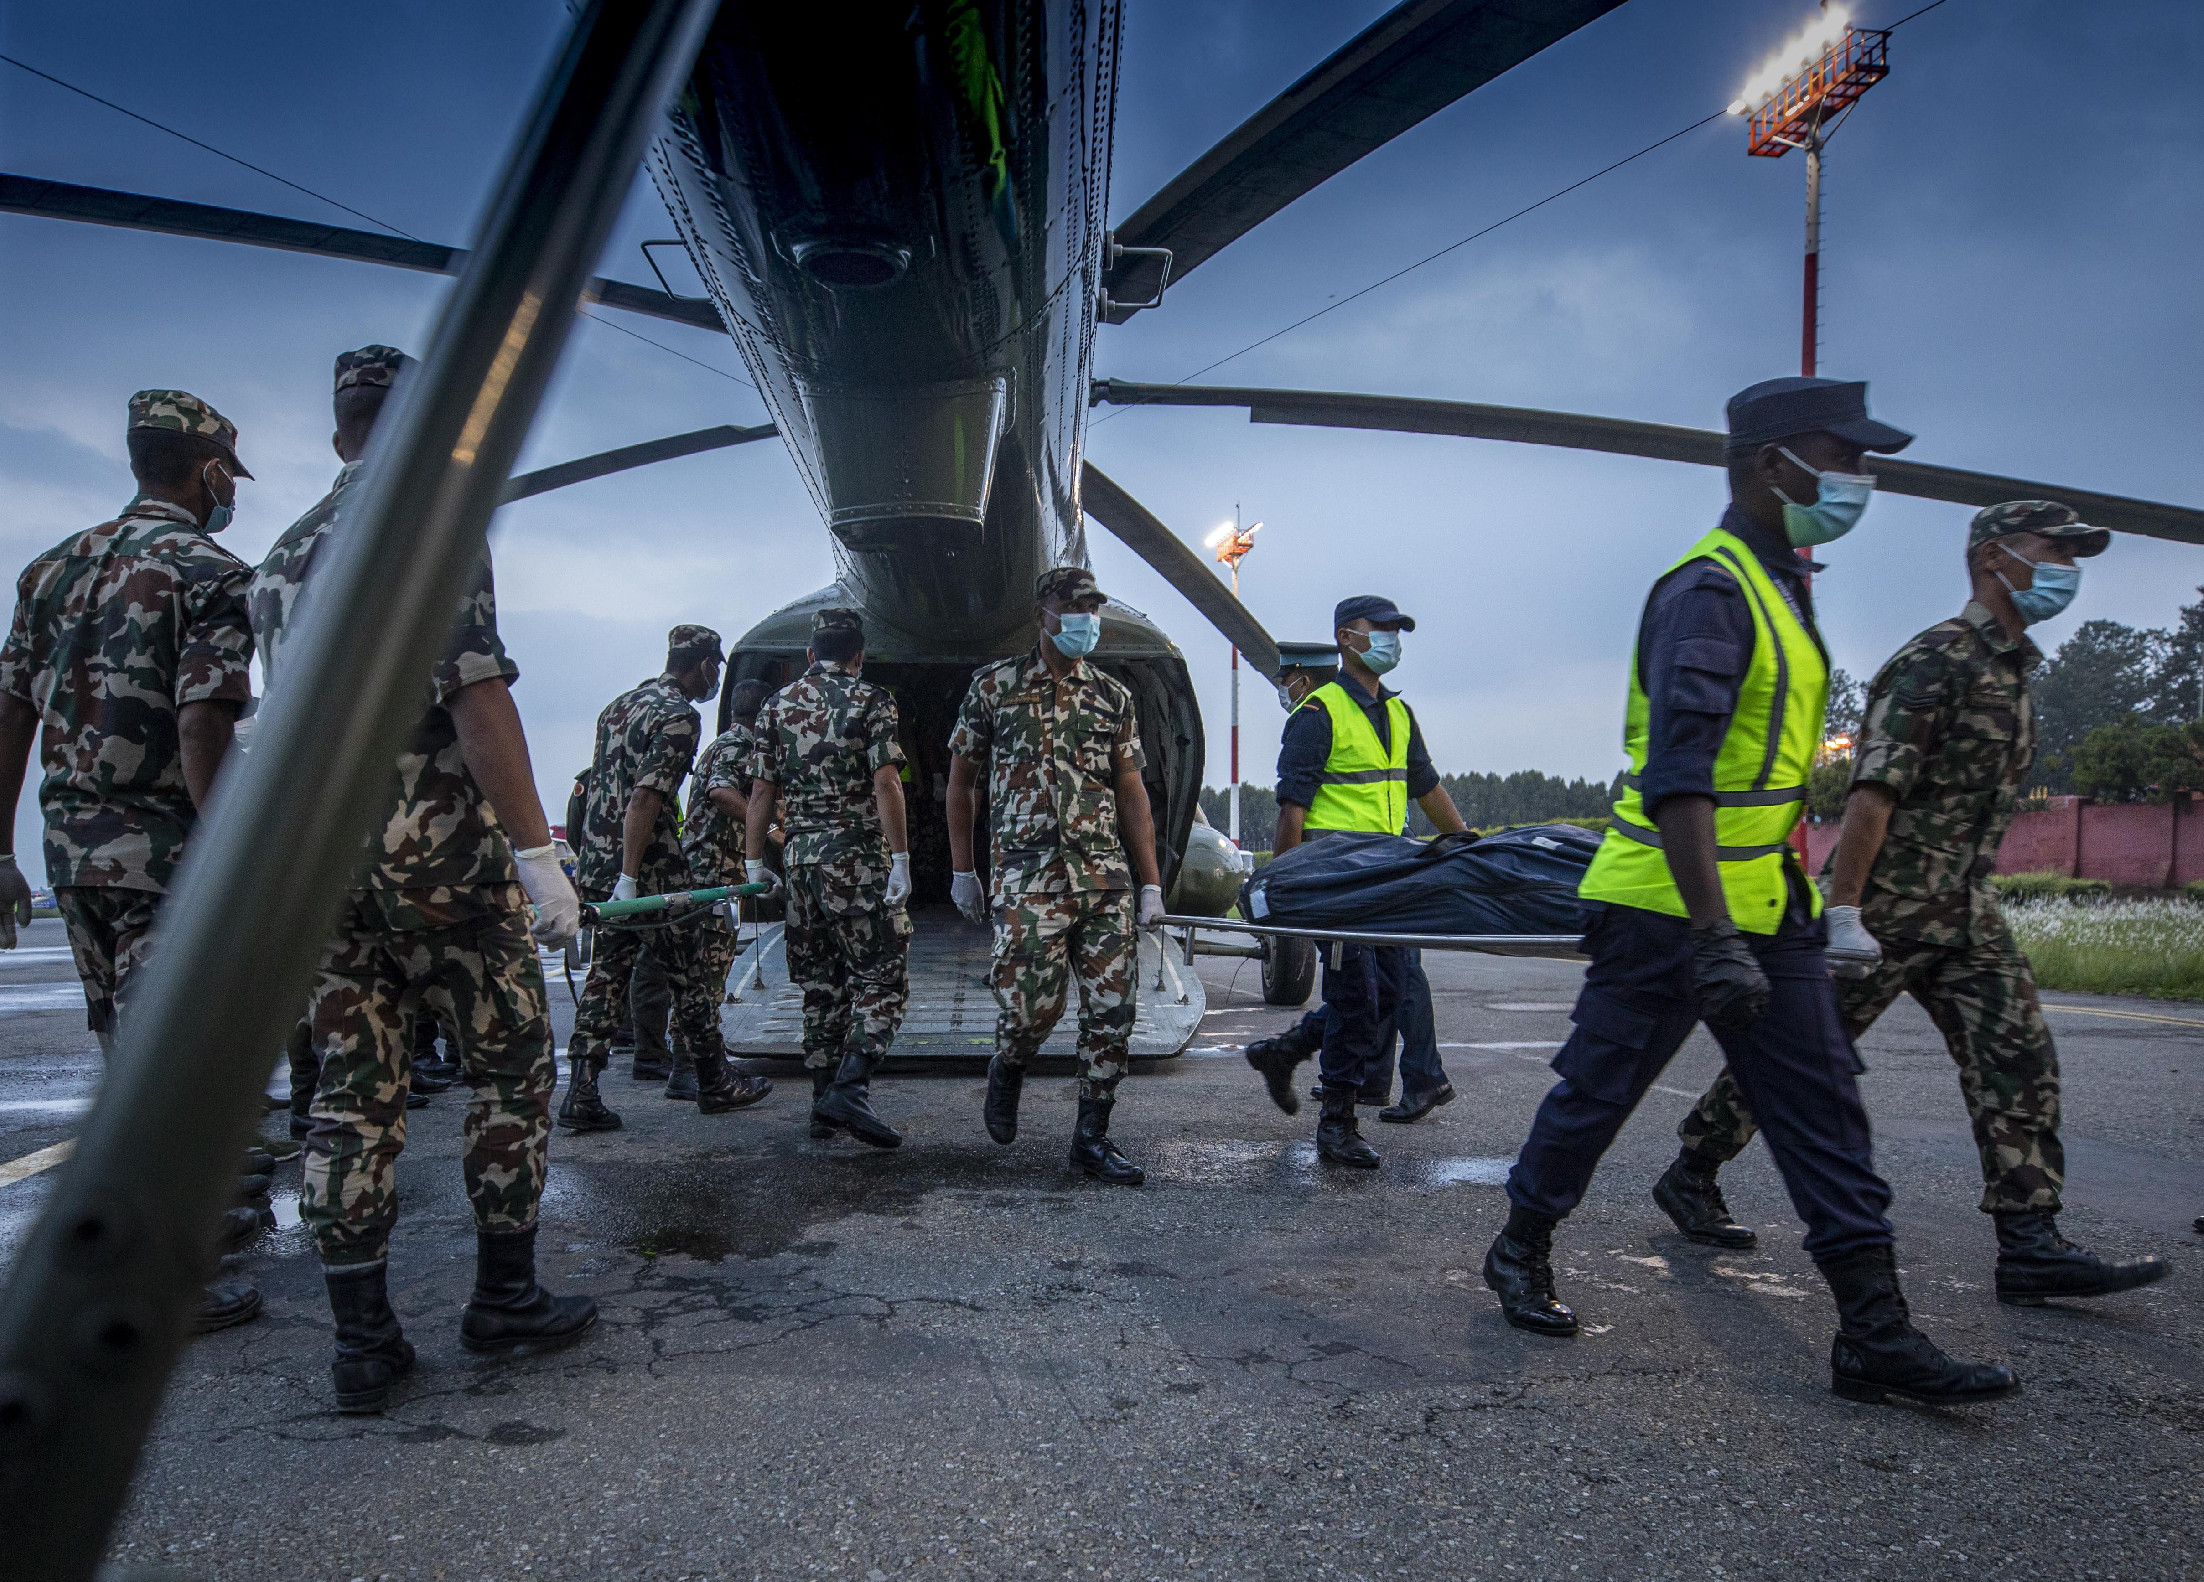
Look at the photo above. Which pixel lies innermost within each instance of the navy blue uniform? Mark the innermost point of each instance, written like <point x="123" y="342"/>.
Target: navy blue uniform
<point x="1363" y="984"/>
<point x="1637" y="1006"/>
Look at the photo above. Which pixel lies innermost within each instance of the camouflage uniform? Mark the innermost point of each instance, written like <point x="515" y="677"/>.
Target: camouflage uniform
<point x="437" y="924"/>
<point x="1062" y="888"/>
<point x="820" y="740"/>
<point x="646" y="738"/>
<point x="1950" y="731"/>
<point x="116" y="629"/>
<point x="712" y="842"/>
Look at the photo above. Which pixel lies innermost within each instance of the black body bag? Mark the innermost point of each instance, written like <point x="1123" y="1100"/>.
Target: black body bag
<point x="1520" y="881"/>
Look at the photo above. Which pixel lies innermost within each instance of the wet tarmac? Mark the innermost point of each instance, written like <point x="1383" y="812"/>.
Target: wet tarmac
<point x="956" y="1359"/>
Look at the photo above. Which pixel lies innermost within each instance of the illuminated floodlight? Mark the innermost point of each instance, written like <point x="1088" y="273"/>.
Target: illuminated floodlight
<point x="1816" y="75"/>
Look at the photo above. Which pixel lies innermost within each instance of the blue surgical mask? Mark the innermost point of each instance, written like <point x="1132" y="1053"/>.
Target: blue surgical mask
<point x="1078" y="635"/>
<point x="2051" y="589"/>
<point x="218" y="516"/>
<point x="1838" y="502"/>
<point x="1384" y="652"/>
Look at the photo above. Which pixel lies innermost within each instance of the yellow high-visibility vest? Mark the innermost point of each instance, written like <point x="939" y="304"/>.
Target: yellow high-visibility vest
<point x="1760" y="774"/>
<point x="1364" y="785"/>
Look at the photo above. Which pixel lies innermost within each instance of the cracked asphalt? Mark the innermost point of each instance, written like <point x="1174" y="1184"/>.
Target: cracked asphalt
<point x="816" y="1360"/>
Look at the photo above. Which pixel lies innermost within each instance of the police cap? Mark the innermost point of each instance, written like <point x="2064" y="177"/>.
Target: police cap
<point x="2046" y="517"/>
<point x="1308" y="656"/>
<point x="1780" y="409"/>
<point x="1379" y="612"/>
<point x="181" y="412"/>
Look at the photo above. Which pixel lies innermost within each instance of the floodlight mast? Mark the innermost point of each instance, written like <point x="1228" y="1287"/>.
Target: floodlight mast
<point x="1232" y="542"/>
<point x="1794" y="101"/>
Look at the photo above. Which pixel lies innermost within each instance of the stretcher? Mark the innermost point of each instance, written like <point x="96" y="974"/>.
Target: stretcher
<point x="1561" y="947"/>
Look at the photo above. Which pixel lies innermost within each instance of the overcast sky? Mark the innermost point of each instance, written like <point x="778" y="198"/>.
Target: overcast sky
<point x="2012" y="223"/>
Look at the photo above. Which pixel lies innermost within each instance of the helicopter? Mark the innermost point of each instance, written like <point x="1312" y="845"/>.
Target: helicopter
<point x="901" y="217"/>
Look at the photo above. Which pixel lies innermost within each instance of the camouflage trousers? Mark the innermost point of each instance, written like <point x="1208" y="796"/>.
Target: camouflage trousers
<point x="480" y="978"/>
<point x="1982" y="998"/>
<point x="110" y="930"/>
<point x="603" y="1011"/>
<point x="851" y="956"/>
<point x="707" y="986"/>
<point x="1042" y="942"/>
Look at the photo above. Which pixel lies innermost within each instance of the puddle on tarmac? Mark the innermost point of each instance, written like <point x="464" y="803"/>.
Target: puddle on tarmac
<point x="1231" y="1161"/>
<point x="1468" y="1172"/>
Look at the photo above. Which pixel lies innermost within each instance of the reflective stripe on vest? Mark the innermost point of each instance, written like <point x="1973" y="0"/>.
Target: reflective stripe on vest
<point x="1364" y="785"/>
<point x="1760" y="772"/>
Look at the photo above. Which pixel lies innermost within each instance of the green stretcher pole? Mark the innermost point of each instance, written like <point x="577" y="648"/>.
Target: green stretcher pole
<point x="606" y="911"/>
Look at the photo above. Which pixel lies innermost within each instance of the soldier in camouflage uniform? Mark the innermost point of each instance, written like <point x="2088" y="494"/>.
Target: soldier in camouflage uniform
<point x="711" y="839"/>
<point x="438" y="927"/>
<point x="1059" y="743"/>
<point x="1942" y="759"/>
<point x="629" y="844"/>
<point x="131" y="649"/>
<point x="826" y="754"/>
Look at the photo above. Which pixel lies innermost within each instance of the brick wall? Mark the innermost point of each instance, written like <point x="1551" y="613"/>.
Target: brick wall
<point x="2132" y="845"/>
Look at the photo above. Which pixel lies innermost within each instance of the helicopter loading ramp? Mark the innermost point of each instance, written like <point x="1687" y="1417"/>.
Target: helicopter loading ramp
<point x="952" y="1010"/>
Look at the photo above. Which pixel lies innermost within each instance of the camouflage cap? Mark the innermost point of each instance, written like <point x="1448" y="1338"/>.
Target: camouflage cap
<point x="371" y="365"/>
<point x="1066" y="582"/>
<point x="184" y="413"/>
<point x="701" y="641"/>
<point x="836" y="619"/>
<point x="2046" y="517"/>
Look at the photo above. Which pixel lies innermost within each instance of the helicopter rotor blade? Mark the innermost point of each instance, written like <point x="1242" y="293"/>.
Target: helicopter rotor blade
<point x="1413" y="61"/>
<point x="1659" y="441"/>
<point x="584" y="468"/>
<point x="61" y="200"/>
<point x="1178" y="565"/>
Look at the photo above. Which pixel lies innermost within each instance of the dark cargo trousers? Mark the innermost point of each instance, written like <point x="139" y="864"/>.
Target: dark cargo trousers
<point x="1795" y="1066"/>
<point x="1416" y="1027"/>
<point x="1362" y="993"/>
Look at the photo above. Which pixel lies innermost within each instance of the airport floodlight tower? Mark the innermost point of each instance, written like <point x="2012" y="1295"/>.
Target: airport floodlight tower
<point x="1795" y="100"/>
<point x="1232" y="542"/>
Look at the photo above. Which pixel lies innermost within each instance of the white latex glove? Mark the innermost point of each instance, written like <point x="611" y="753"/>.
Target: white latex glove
<point x="1151" y="905"/>
<point x="1852" y="951"/>
<point x="970" y="896"/>
<point x="625" y="890"/>
<point x="759" y="873"/>
<point x="558" y="908"/>
<point x="899" y="878"/>
<point x="15" y="901"/>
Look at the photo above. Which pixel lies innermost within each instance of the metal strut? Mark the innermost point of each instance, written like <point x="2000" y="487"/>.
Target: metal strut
<point x="93" y="1313"/>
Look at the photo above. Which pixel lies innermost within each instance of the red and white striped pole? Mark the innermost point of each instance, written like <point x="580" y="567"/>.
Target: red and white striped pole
<point x="1810" y="331"/>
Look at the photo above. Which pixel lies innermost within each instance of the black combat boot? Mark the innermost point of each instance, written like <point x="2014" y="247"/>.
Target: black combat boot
<point x="822" y="1078"/>
<point x="372" y="1352"/>
<point x="224" y="1305"/>
<point x="681" y="1086"/>
<point x="1275" y="1060"/>
<point x="1414" y="1107"/>
<point x="1688" y="1194"/>
<point x="720" y="1088"/>
<point x="657" y="1064"/>
<point x="1337" y="1140"/>
<point x="847" y="1102"/>
<point x="1005" y="1082"/>
<point x="2035" y="1263"/>
<point x="1091" y="1148"/>
<point x="584" y="1109"/>
<point x="1879" y="1355"/>
<point x="1520" y="1270"/>
<point x="239" y="1226"/>
<point x="509" y="1311"/>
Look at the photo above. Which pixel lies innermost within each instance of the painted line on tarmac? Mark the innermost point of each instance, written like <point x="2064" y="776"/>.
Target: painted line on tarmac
<point x="2128" y="1016"/>
<point x="31" y="1164"/>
